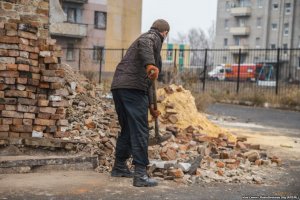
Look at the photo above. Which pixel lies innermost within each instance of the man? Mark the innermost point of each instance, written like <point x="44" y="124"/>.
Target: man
<point x="132" y="94"/>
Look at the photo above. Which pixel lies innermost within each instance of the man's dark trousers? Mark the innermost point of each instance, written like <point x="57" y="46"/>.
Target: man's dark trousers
<point x="132" y="109"/>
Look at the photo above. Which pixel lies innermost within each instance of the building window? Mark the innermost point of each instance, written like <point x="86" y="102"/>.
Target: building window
<point x="244" y="3"/>
<point x="259" y="3"/>
<point x="273" y="46"/>
<point x="258" y="22"/>
<point x="224" y="59"/>
<point x="257" y="42"/>
<point x="227" y="5"/>
<point x="237" y="41"/>
<point x="241" y="22"/>
<point x="287" y="8"/>
<point x="98" y="53"/>
<point x="274" y="26"/>
<point x="285" y="47"/>
<point x="71" y="15"/>
<point x="225" y="42"/>
<point x="256" y="59"/>
<point x="299" y="63"/>
<point x="70" y="52"/>
<point x="100" y="20"/>
<point x="286" y="29"/>
<point x="275" y="6"/>
<point x="226" y="24"/>
<point x="298" y="41"/>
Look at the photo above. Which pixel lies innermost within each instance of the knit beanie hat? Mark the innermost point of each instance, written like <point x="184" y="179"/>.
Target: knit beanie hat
<point x="161" y="25"/>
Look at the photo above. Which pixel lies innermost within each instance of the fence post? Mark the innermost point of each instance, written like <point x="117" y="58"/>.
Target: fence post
<point x="100" y="67"/>
<point x="277" y="71"/>
<point x="175" y="58"/>
<point x="79" y="61"/>
<point x="239" y="71"/>
<point x="205" y="68"/>
<point x="122" y="52"/>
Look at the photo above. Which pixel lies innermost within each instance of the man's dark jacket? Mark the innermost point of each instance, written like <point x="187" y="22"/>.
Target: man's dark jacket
<point x="131" y="71"/>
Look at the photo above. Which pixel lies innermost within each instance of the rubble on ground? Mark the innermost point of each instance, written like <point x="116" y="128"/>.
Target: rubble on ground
<point x="198" y="150"/>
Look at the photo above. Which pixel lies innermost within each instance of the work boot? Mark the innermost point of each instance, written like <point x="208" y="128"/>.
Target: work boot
<point x="141" y="179"/>
<point x="120" y="169"/>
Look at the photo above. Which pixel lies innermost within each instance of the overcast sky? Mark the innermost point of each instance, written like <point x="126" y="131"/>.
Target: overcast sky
<point x="182" y="15"/>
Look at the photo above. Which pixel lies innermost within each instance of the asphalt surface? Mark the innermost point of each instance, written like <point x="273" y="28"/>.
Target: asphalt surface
<point x="281" y="119"/>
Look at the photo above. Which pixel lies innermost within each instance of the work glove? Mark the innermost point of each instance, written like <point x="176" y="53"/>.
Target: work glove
<point x="154" y="113"/>
<point x="152" y="72"/>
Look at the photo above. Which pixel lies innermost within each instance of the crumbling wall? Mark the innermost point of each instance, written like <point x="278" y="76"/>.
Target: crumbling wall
<point x="32" y="93"/>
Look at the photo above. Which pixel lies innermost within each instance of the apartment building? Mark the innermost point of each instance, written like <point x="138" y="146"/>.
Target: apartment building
<point x="94" y="25"/>
<point x="259" y="24"/>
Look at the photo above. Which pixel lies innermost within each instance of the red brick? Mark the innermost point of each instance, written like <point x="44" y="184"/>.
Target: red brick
<point x="43" y="102"/>
<point x="34" y="62"/>
<point x="34" y="69"/>
<point x="4" y="128"/>
<point x="17" y="122"/>
<point x="27" y="121"/>
<point x="22" y="80"/>
<point x="21" y="60"/>
<point x="22" y="108"/>
<point x="44" y="122"/>
<point x="39" y="128"/>
<point x="12" y="67"/>
<point x="30" y="49"/>
<point x="4" y="134"/>
<point x="25" y="135"/>
<point x="27" y="101"/>
<point x="21" y="128"/>
<point x="34" y="82"/>
<point x="48" y="110"/>
<point x="24" y="41"/>
<point x="7" y="60"/>
<point x="3" y="52"/>
<point x="24" y="54"/>
<point x="7" y="121"/>
<point x="7" y="6"/>
<point x="44" y="115"/>
<point x="51" y="59"/>
<point x="10" y="81"/>
<point x="2" y="67"/>
<point x="34" y="56"/>
<point x="3" y="87"/>
<point x="14" y="135"/>
<point x="11" y="107"/>
<point x="9" y="39"/>
<point x="29" y="115"/>
<point x="27" y="35"/>
<point x="13" y="53"/>
<point x="12" y="114"/>
<point x="16" y="93"/>
<point x="22" y="67"/>
<point x="11" y="33"/>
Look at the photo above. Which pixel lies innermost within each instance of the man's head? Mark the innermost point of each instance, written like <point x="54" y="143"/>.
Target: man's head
<point x="162" y="26"/>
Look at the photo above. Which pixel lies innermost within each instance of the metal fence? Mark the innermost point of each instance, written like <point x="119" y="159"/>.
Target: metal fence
<point x="272" y="71"/>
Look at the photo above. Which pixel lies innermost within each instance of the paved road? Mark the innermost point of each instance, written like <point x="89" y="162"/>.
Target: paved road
<point x="262" y="116"/>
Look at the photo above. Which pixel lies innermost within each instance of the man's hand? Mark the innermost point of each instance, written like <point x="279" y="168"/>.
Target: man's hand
<point x="152" y="72"/>
<point x="153" y="112"/>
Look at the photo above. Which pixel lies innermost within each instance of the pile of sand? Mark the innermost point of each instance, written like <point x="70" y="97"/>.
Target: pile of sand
<point x="177" y="106"/>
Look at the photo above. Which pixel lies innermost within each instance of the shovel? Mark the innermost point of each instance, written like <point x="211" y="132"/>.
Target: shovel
<point x="157" y="138"/>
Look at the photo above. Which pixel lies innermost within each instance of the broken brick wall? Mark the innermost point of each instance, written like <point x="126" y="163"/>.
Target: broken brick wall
<point x="32" y="93"/>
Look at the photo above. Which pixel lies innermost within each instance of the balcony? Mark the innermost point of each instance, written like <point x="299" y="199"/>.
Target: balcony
<point x="240" y="30"/>
<point x="69" y="30"/>
<point x="235" y="49"/>
<point x="241" y="11"/>
<point x="76" y="1"/>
